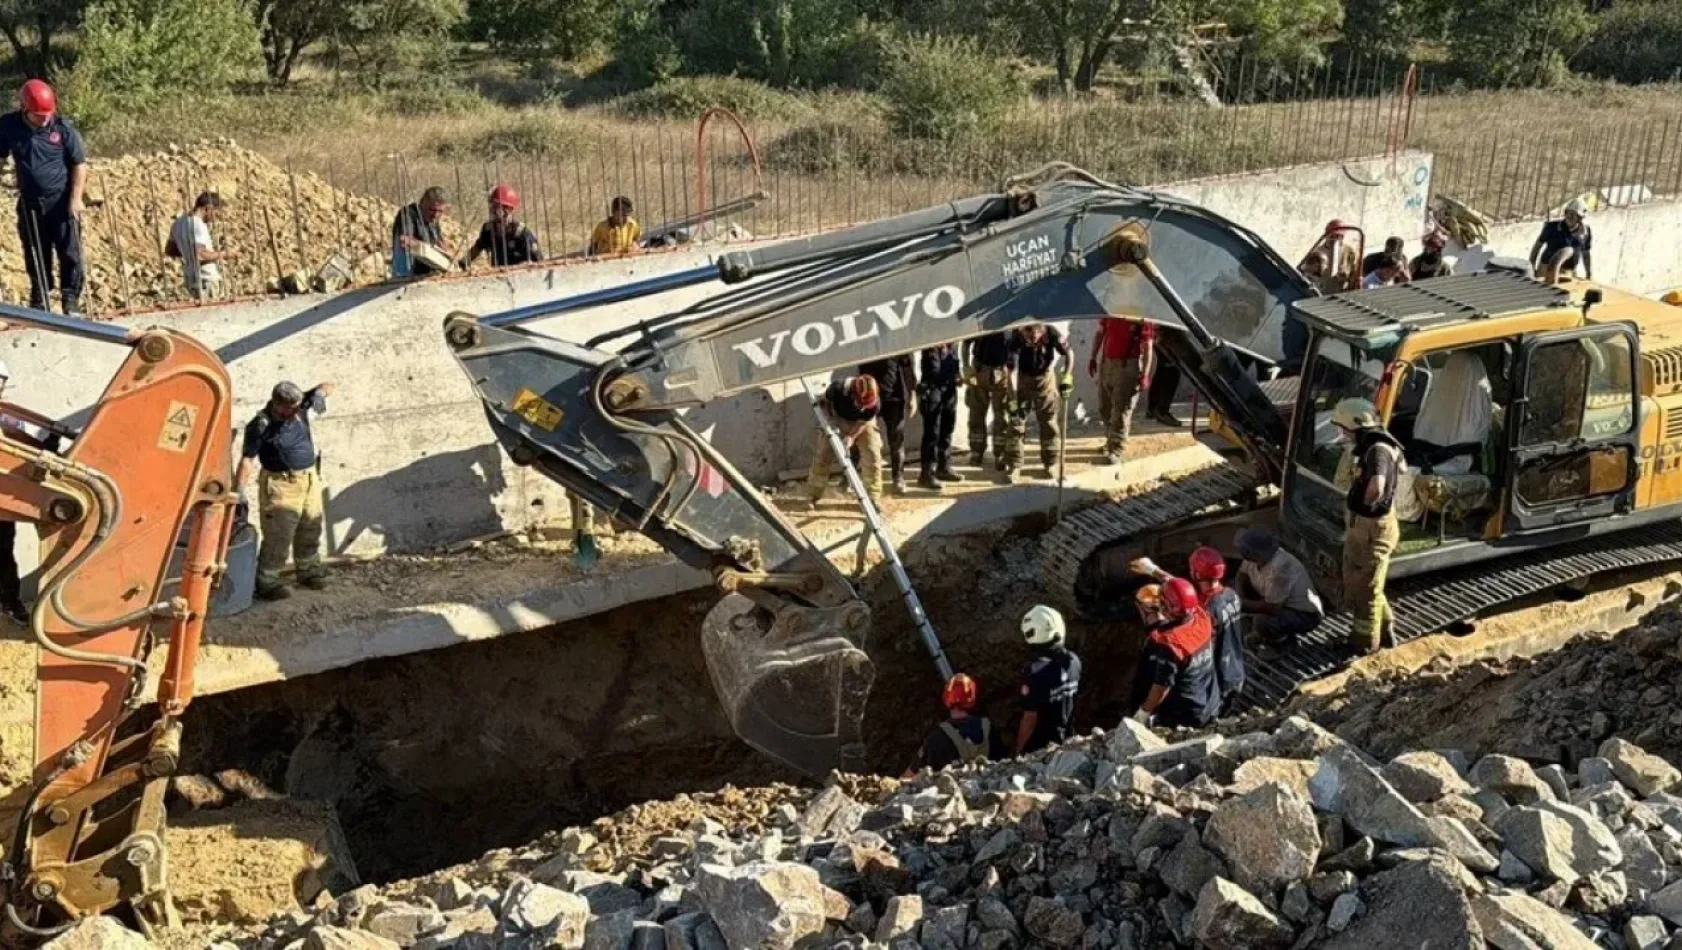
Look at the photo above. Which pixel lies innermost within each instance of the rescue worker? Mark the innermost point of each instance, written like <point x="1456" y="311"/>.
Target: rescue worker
<point x="1051" y="683"/>
<point x="1430" y="262"/>
<point x="278" y="439"/>
<point x="1564" y="245"/>
<point x="1318" y="272"/>
<point x="941" y="372"/>
<point x="963" y="736"/>
<point x="618" y="233"/>
<point x="1274" y="587"/>
<point x="1342" y="271"/>
<point x="896" y="380"/>
<point x="419" y="223"/>
<point x="1394" y="247"/>
<point x="1123" y="358"/>
<point x="1372" y="531"/>
<point x="991" y="364"/>
<point x="1207" y="569"/>
<point x="508" y="241"/>
<point x="851" y="405"/>
<point x="50" y="162"/>
<point x="1043" y="381"/>
<point x="1176" y="684"/>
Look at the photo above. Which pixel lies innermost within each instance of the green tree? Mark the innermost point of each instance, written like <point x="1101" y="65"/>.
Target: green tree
<point x="1279" y="36"/>
<point x="381" y="42"/>
<point x="30" y="27"/>
<point x="783" y="42"/>
<point x="527" y="28"/>
<point x="288" y="28"/>
<point x="134" y="52"/>
<point x="946" y="88"/>
<point x="1075" y="36"/>
<point x="1518" y="42"/>
<point x="1636" y="43"/>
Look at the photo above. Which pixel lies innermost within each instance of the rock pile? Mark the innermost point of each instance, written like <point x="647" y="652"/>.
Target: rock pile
<point x="134" y="199"/>
<point x="1290" y="838"/>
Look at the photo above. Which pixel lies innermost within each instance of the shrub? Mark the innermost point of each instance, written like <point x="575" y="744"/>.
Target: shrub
<point x="1636" y="43"/>
<point x="1518" y="42"/>
<point x="686" y="97"/>
<point x="946" y="88"/>
<point x="382" y="43"/>
<point x="136" y="53"/>
<point x="525" y="133"/>
<point x="434" y="95"/>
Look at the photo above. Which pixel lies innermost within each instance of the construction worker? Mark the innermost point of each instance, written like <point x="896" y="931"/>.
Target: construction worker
<point x="1394" y="247"/>
<point x="896" y="380"/>
<point x="191" y="240"/>
<point x="508" y="241"/>
<point x="1043" y="381"/>
<point x="278" y="439"/>
<point x="1342" y="271"/>
<point x="1391" y="269"/>
<point x="1274" y="588"/>
<point x="992" y="391"/>
<point x="963" y="736"/>
<point x="1564" y="245"/>
<point x="851" y="406"/>
<point x="1051" y="683"/>
<point x="618" y="233"/>
<point x="418" y="230"/>
<point x="50" y="162"/>
<point x="1372" y="531"/>
<point x="1123" y="358"/>
<point x="940" y="374"/>
<point x="1430" y="262"/>
<point x="1176" y="685"/>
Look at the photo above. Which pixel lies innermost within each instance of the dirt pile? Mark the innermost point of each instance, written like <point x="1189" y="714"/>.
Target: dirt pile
<point x="1288" y="838"/>
<point x="278" y="223"/>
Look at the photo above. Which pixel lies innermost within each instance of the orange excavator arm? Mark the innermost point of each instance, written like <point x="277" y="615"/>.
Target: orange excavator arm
<point x="152" y="463"/>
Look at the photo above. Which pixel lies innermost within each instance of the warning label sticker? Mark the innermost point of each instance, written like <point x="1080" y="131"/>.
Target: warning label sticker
<point x="178" y="426"/>
<point x="536" y="410"/>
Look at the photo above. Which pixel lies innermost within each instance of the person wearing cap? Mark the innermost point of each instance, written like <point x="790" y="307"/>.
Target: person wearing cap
<point x="278" y="440"/>
<point x="962" y="736"/>
<point x="851" y="406"/>
<point x="618" y="233"/>
<point x="1430" y="262"/>
<point x="191" y="240"/>
<point x="51" y="165"/>
<point x="1373" y="469"/>
<point x="504" y="236"/>
<point x="1051" y="683"/>
<point x="417" y="225"/>
<point x="1274" y="588"/>
<point x="1564" y="245"/>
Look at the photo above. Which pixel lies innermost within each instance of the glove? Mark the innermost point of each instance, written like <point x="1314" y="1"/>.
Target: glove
<point x="1066" y="384"/>
<point x="1145" y="566"/>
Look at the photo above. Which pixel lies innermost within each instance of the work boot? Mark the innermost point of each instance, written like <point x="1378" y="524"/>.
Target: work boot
<point x="1051" y="472"/>
<point x="899" y="484"/>
<point x="926" y="481"/>
<point x="314" y="581"/>
<point x="945" y="473"/>
<point x="1167" y="418"/>
<point x="277" y="592"/>
<point x="1009" y="472"/>
<point x="977" y="458"/>
<point x="1112" y="456"/>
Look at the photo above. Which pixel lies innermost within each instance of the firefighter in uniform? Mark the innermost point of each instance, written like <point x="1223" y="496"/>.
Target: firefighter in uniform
<point x="1043" y="380"/>
<point x="991" y="364"/>
<point x="1049" y="688"/>
<point x="937" y="394"/>
<point x="1176" y="684"/>
<point x="963" y="736"/>
<point x="851" y="405"/>
<point x="1372" y="533"/>
<point x="279" y="442"/>
<point x="896" y="380"/>
<point x="1207" y="569"/>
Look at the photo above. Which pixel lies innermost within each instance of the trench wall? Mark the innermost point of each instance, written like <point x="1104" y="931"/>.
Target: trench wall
<point x="408" y="459"/>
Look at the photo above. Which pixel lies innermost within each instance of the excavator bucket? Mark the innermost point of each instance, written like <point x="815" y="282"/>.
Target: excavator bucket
<point x="792" y="680"/>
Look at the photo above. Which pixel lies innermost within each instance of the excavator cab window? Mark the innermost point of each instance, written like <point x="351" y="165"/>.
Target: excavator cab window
<point x="1314" y="501"/>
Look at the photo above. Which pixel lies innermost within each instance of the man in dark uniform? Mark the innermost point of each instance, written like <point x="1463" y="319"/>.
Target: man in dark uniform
<point x="51" y="165"/>
<point x="937" y="392"/>
<point x="851" y="405"/>
<point x="1050" y="686"/>
<point x="1043" y="381"/>
<point x="1371" y="473"/>
<point x="1564" y="245"/>
<point x="1176" y="684"/>
<point x="289" y="489"/>
<point x="991" y="390"/>
<point x="896" y="380"/>
<point x="420" y="223"/>
<point x="504" y="237"/>
<point x="962" y="736"/>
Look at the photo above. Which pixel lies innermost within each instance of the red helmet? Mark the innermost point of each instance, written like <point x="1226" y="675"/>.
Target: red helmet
<point x="504" y="196"/>
<point x="1179" y="596"/>
<point x="1207" y="564"/>
<point x="1335" y="225"/>
<point x="37" y="97"/>
<point x="1435" y="241"/>
<point x="863" y="391"/>
<point x="959" y="693"/>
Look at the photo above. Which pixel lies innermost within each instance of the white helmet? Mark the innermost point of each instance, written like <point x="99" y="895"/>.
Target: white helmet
<point x="1577" y="207"/>
<point x="1043" y="626"/>
<point x="1354" y="413"/>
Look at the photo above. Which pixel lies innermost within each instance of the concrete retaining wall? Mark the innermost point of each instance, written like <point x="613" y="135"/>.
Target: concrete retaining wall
<point x="409" y="462"/>
<point x="1637" y="248"/>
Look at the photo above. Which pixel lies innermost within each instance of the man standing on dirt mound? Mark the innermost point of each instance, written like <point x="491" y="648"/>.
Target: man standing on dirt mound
<point x="51" y="166"/>
<point x="1052" y="680"/>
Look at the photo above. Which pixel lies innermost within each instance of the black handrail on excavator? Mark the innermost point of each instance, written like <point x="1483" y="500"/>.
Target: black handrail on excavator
<point x="1059" y="244"/>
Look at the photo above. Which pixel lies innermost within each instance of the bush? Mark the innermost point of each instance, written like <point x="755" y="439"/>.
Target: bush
<point x="1518" y="42"/>
<point x="687" y="97"/>
<point x="383" y="43"/>
<point x="946" y="88"/>
<point x="1636" y="43"/>
<point x="434" y="95"/>
<point x="136" y="53"/>
<point x="526" y="133"/>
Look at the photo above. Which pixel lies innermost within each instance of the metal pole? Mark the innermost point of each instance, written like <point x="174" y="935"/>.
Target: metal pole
<point x="925" y="630"/>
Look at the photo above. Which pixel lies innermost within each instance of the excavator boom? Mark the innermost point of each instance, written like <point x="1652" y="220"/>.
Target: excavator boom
<point x="605" y="422"/>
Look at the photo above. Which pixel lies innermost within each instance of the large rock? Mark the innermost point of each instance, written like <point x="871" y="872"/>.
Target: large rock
<point x="1418" y="904"/>
<point x="1189" y="752"/>
<point x="693" y="932"/>
<point x="1129" y="739"/>
<point x="529" y="907"/>
<point x="1453" y="836"/>
<point x="1291" y="773"/>
<point x="1298" y="738"/>
<point x="764" y="904"/>
<point x="1189" y="866"/>
<point x="1347" y="786"/>
<point x="1559" y="840"/>
<point x="1268" y="837"/>
<point x="1638" y="768"/>
<point x="1424" y="777"/>
<point x="1227" y="917"/>
<point x="105" y="933"/>
<point x="901" y="917"/>
<point x="1511" y="777"/>
<point x="1054" y="922"/>
<point x="1667" y="903"/>
<point x="403" y="923"/>
<point x="1644" y="933"/>
<point x="319" y="938"/>
<point x="1520" y="922"/>
<point x="1643" y="867"/>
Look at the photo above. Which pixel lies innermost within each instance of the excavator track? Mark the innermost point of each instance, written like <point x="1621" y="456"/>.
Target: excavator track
<point x="1431" y="602"/>
<point x="1067" y="548"/>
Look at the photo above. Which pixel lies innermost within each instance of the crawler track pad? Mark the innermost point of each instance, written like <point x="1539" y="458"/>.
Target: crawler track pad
<point x="793" y="682"/>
